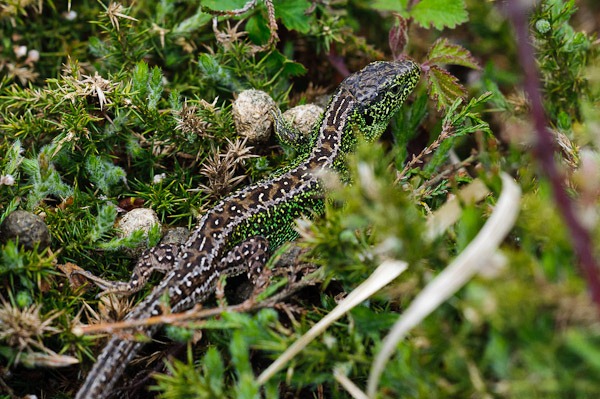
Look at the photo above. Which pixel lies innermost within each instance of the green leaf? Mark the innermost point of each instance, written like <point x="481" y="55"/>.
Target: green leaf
<point x="247" y="387"/>
<point x="258" y="29"/>
<point x="443" y="87"/>
<point x="470" y="223"/>
<point x="98" y="47"/>
<point x="278" y="62"/>
<point x="224" y="5"/>
<point x="14" y="158"/>
<point x="179" y="333"/>
<point x="214" y="370"/>
<point x="239" y="353"/>
<point x="131" y="241"/>
<point x="292" y="14"/>
<point x="406" y="125"/>
<point x="585" y="348"/>
<point x="140" y="79"/>
<point x="390" y="5"/>
<point x="468" y="120"/>
<point x="215" y="73"/>
<point x="103" y="173"/>
<point x="439" y="13"/>
<point x="442" y="53"/>
<point x="104" y="222"/>
<point x="155" y="87"/>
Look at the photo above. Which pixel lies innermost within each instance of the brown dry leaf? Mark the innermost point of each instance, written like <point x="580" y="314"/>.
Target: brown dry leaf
<point x="75" y="280"/>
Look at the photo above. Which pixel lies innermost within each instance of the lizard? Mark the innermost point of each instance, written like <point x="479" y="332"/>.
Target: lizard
<point x="236" y="235"/>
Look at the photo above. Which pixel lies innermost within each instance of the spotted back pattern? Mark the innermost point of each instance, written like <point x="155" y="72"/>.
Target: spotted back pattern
<point x="235" y="234"/>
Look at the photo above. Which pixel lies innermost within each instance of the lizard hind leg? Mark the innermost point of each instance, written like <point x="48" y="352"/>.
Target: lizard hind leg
<point x="249" y="256"/>
<point x="160" y="259"/>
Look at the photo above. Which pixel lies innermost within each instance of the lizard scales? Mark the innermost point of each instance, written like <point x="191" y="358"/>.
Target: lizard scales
<point x="236" y="234"/>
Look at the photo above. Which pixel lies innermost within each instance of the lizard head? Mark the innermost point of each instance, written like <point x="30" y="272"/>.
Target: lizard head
<point x="379" y="89"/>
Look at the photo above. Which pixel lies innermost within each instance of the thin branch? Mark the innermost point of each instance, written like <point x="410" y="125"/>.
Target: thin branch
<point x="447" y="132"/>
<point x="544" y="151"/>
<point x="452" y="169"/>
<point x="197" y="313"/>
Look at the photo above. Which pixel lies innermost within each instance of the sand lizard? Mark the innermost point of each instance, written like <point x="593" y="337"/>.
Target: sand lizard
<point x="236" y="235"/>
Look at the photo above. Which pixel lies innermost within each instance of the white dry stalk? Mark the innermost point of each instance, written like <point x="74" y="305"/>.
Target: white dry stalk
<point x="474" y="258"/>
<point x="348" y="385"/>
<point x="383" y="275"/>
<point x="53" y="360"/>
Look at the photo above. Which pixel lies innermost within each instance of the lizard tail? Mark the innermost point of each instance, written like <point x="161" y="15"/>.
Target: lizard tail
<point x="108" y="369"/>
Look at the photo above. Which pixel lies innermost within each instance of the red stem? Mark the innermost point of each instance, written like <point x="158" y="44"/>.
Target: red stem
<point x="544" y="152"/>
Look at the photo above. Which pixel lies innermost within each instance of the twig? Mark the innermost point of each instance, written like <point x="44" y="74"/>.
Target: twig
<point x="447" y="172"/>
<point x="196" y="313"/>
<point x="544" y="152"/>
<point x="447" y="132"/>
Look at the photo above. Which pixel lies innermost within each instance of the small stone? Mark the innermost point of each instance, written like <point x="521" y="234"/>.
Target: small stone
<point x="252" y="114"/>
<point x="178" y="235"/>
<point x="137" y="219"/>
<point x="27" y="227"/>
<point x="304" y="117"/>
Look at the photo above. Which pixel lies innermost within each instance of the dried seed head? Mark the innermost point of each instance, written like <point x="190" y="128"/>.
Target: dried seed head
<point x="220" y="169"/>
<point x="189" y="123"/>
<point x="25" y="328"/>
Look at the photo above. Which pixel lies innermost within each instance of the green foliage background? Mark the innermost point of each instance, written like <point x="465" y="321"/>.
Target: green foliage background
<point x="96" y="100"/>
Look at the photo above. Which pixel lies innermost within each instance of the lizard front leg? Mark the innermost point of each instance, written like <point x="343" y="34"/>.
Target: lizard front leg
<point x="160" y="259"/>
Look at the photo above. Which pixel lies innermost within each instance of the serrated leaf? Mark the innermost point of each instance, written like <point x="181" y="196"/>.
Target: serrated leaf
<point x="442" y="52"/>
<point x="443" y="87"/>
<point x="292" y="14"/>
<point x="439" y="13"/>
